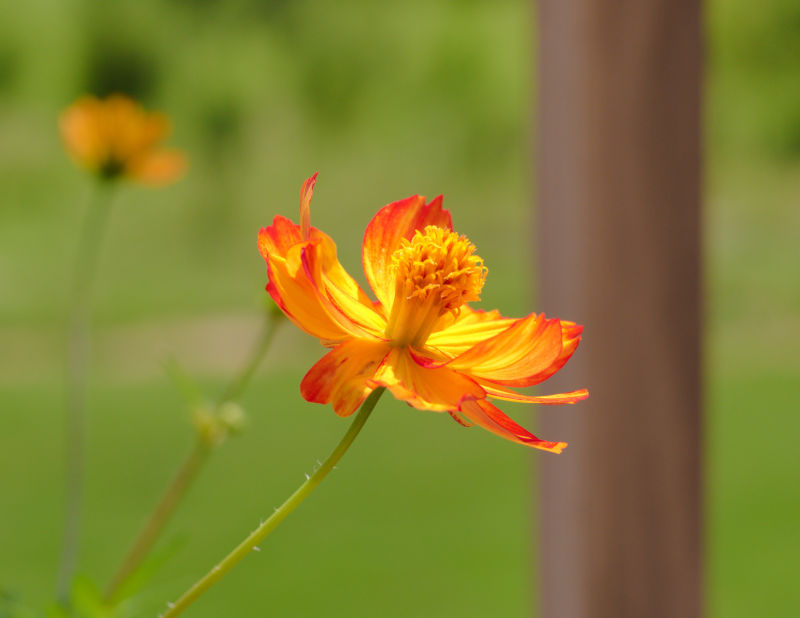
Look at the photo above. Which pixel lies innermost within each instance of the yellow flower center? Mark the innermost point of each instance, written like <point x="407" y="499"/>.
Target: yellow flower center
<point x="435" y="273"/>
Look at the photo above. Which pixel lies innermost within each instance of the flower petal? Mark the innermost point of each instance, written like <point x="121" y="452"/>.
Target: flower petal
<point x="333" y="290"/>
<point x="570" y="338"/>
<point x="460" y="419"/>
<point x="440" y="389"/>
<point x="470" y="327"/>
<point x="306" y="193"/>
<point x="140" y="131"/>
<point x="523" y="354"/>
<point x="116" y="136"/>
<point x="79" y="130"/>
<point x="388" y="227"/>
<point x="295" y="290"/>
<point x="485" y="415"/>
<point x="278" y="237"/>
<point x="158" y="168"/>
<point x="517" y="355"/>
<point x="342" y="376"/>
<point x="129" y="131"/>
<point x="343" y="291"/>
<point x="498" y="392"/>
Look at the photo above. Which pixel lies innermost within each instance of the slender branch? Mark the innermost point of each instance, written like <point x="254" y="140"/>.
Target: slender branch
<point x="94" y="226"/>
<point x="260" y="533"/>
<point x="188" y="470"/>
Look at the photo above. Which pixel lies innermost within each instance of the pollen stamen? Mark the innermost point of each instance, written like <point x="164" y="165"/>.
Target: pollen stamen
<point x="436" y="272"/>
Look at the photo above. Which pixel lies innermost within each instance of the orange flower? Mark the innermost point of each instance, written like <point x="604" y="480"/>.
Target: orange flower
<point x="420" y="340"/>
<point x="115" y="137"/>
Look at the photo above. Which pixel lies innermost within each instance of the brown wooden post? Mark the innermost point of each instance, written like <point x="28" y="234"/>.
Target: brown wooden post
<point x="619" y="156"/>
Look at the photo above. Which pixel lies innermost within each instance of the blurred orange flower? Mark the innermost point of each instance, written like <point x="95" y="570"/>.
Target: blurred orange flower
<point x="115" y="137"/>
<point x="421" y="340"/>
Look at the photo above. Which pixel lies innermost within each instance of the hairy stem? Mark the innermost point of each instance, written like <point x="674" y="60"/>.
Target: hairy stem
<point x="260" y="533"/>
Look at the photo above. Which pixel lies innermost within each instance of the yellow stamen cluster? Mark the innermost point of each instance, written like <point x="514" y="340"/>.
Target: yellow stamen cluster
<point x="435" y="273"/>
<point x="438" y="261"/>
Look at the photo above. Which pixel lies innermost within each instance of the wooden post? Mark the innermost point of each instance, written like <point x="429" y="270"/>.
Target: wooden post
<point x="619" y="172"/>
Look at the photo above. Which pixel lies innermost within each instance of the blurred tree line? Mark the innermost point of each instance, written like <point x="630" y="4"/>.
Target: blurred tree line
<point x="354" y="64"/>
<point x="754" y="66"/>
<point x="414" y="94"/>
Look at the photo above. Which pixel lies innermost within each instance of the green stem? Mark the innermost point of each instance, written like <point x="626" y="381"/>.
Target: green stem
<point x="188" y="471"/>
<point x="94" y="226"/>
<point x="260" y="533"/>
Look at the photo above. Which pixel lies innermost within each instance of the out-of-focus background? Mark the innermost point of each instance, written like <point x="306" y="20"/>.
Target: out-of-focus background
<point x="385" y="100"/>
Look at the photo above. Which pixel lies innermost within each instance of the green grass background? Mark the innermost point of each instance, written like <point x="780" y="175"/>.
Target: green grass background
<point x="423" y="517"/>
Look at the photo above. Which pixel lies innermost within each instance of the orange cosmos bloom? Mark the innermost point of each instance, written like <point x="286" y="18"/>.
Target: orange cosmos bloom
<point x="115" y="137"/>
<point x="421" y="340"/>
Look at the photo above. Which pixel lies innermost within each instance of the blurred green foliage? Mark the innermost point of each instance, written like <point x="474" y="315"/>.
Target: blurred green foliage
<point x="385" y="100"/>
<point x="754" y="67"/>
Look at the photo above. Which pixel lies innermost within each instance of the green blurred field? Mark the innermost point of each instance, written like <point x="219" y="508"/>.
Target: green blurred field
<point x="423" y="517"/>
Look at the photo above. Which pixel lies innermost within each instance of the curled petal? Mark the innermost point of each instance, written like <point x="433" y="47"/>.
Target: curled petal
<point x="279" y="237"/>
<point x="570" y="338"/>
<point x="306" y="192"/>
<point x="485" y="415"/>
<point x="307" y="281"/>
<point x="295" y="290"/>
<point x="388" y="227"/>
<point x="355" y="314"/>
<point x="345" y="294"/>
<point x="342" y="376"/>
<point x="283" y="234"/>
<point x="335" y="286"/>
<point x="440" y="389"/>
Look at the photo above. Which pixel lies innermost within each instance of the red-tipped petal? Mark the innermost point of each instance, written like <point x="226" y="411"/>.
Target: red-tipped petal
<point x="279" y="237"/>
<point x="342" y="376"/>
<point x="498" y="392"/>
<point x="293" y="288"/>
<point x="570" y="338"/>
<point x="485" y="415"/>
<point x="388" y="227"/>
<point x="306" y="192"/>
<point x="310" y="285"/>
<point x="460" y="419"/>
<point x="517" y="356"/>
<point x="439" y="390"/>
